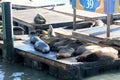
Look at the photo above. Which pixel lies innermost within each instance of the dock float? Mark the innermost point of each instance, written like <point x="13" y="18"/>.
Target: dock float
<point x="66" y="69"/>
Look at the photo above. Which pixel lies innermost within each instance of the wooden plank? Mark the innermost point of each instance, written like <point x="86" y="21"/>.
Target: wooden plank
<point x="79" y="13"/>
<point x="98" y="34"/>
<point x="63" y="32"/>
<point x="67" y="9"/>
<point x="27" y="16"/>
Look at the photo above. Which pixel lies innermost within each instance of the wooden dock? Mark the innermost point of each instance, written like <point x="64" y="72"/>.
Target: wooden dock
<point x="27" y="16"/>
<point x="68" y="68"/>
<point x="99" y="34"/>
<point x="95" y="35"/>
<point x="27" y="4"/>
<point x="86" y="15"/>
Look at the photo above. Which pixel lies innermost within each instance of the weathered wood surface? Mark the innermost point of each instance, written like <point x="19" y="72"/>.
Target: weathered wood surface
<point x="98" y="34"/>
<point x="80" y="13"/>
<point x="35" y="4"/>
<point x="25" y="4"/>
<point x="26" y="17"/>
<point x="63" y="32"/>
<point x="83" y="14"/>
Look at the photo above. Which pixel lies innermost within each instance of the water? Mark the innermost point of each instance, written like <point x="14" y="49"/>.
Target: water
<point x="112" y="75"/>
<point x="18" y="72"/>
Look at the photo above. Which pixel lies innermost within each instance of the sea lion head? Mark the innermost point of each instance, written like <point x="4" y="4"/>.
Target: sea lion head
<point x="99" y="23"/>
<point x="33" y="39"/>
<point x="51" y="32"/>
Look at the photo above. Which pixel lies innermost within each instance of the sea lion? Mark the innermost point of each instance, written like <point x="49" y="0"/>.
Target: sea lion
<point x="103" y="54"/>
<point x="51" y="40"/>
<point x="86" y="47"/>
<point x="60" y="43"/>
<point x="51" y="32"/>
<point x="65" y="53"/>
<point x="73" y="44"/>
<point x="39" y="19"/>
<point x="18" y="30"/>
<point x="14" y="37"/>
<point x="112" y="42"/>
<point x="33" y="32"/>
<point x="40" y="45"/>
<point x="43" y="34"/>
<point x="99" y="23"/>
<point x="33" y="39"/>
<point x="81" y="25"/>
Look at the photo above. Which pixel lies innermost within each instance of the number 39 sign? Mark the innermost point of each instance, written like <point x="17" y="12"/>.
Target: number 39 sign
<point x="100" y="6"/>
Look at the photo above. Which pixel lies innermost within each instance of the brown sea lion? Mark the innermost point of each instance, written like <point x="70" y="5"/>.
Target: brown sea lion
<point x="14" y="37"/>
<point x="65" y="53"/>
<point x="63" y="42"/>
<point x="51" y="40"/>
<point x="86" y="47"/>
<point x="103" y="54"/>
<point x="43" y="34"/>
<point x="112" y="42"/>
<point x="39" y="19"/>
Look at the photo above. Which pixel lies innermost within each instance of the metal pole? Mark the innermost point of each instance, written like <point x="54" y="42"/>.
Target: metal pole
<point x="8" y="50"/>
<point x="74" y="19"/>
<point x="108" y="24"/>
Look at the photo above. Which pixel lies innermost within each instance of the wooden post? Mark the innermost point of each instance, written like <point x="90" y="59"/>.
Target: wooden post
<point x="74" y="19"/>
<point x="8" y="50"/>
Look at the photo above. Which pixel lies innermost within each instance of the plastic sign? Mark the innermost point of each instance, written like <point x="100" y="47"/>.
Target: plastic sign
<point x="100" y="6"/>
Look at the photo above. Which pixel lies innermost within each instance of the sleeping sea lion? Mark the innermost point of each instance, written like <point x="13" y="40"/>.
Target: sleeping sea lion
<point x="39" y="19"/>
<point x="81" y="25"/>
<point x="65" y="53"/>
<point x="43" y="34"/>
<point x="14" y="37"/>
<point x="87" y="47"/>
<point x="40" y="45"/>
<point x="51" y="40"/>
<point x="103" y="55"/>
<point x="18" y="30"/>
<point x="60" y="43"/>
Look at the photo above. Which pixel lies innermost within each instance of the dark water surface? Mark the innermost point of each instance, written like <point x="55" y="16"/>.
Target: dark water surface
<point x="10" y="71"/>
<point x="112" y="75"/>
